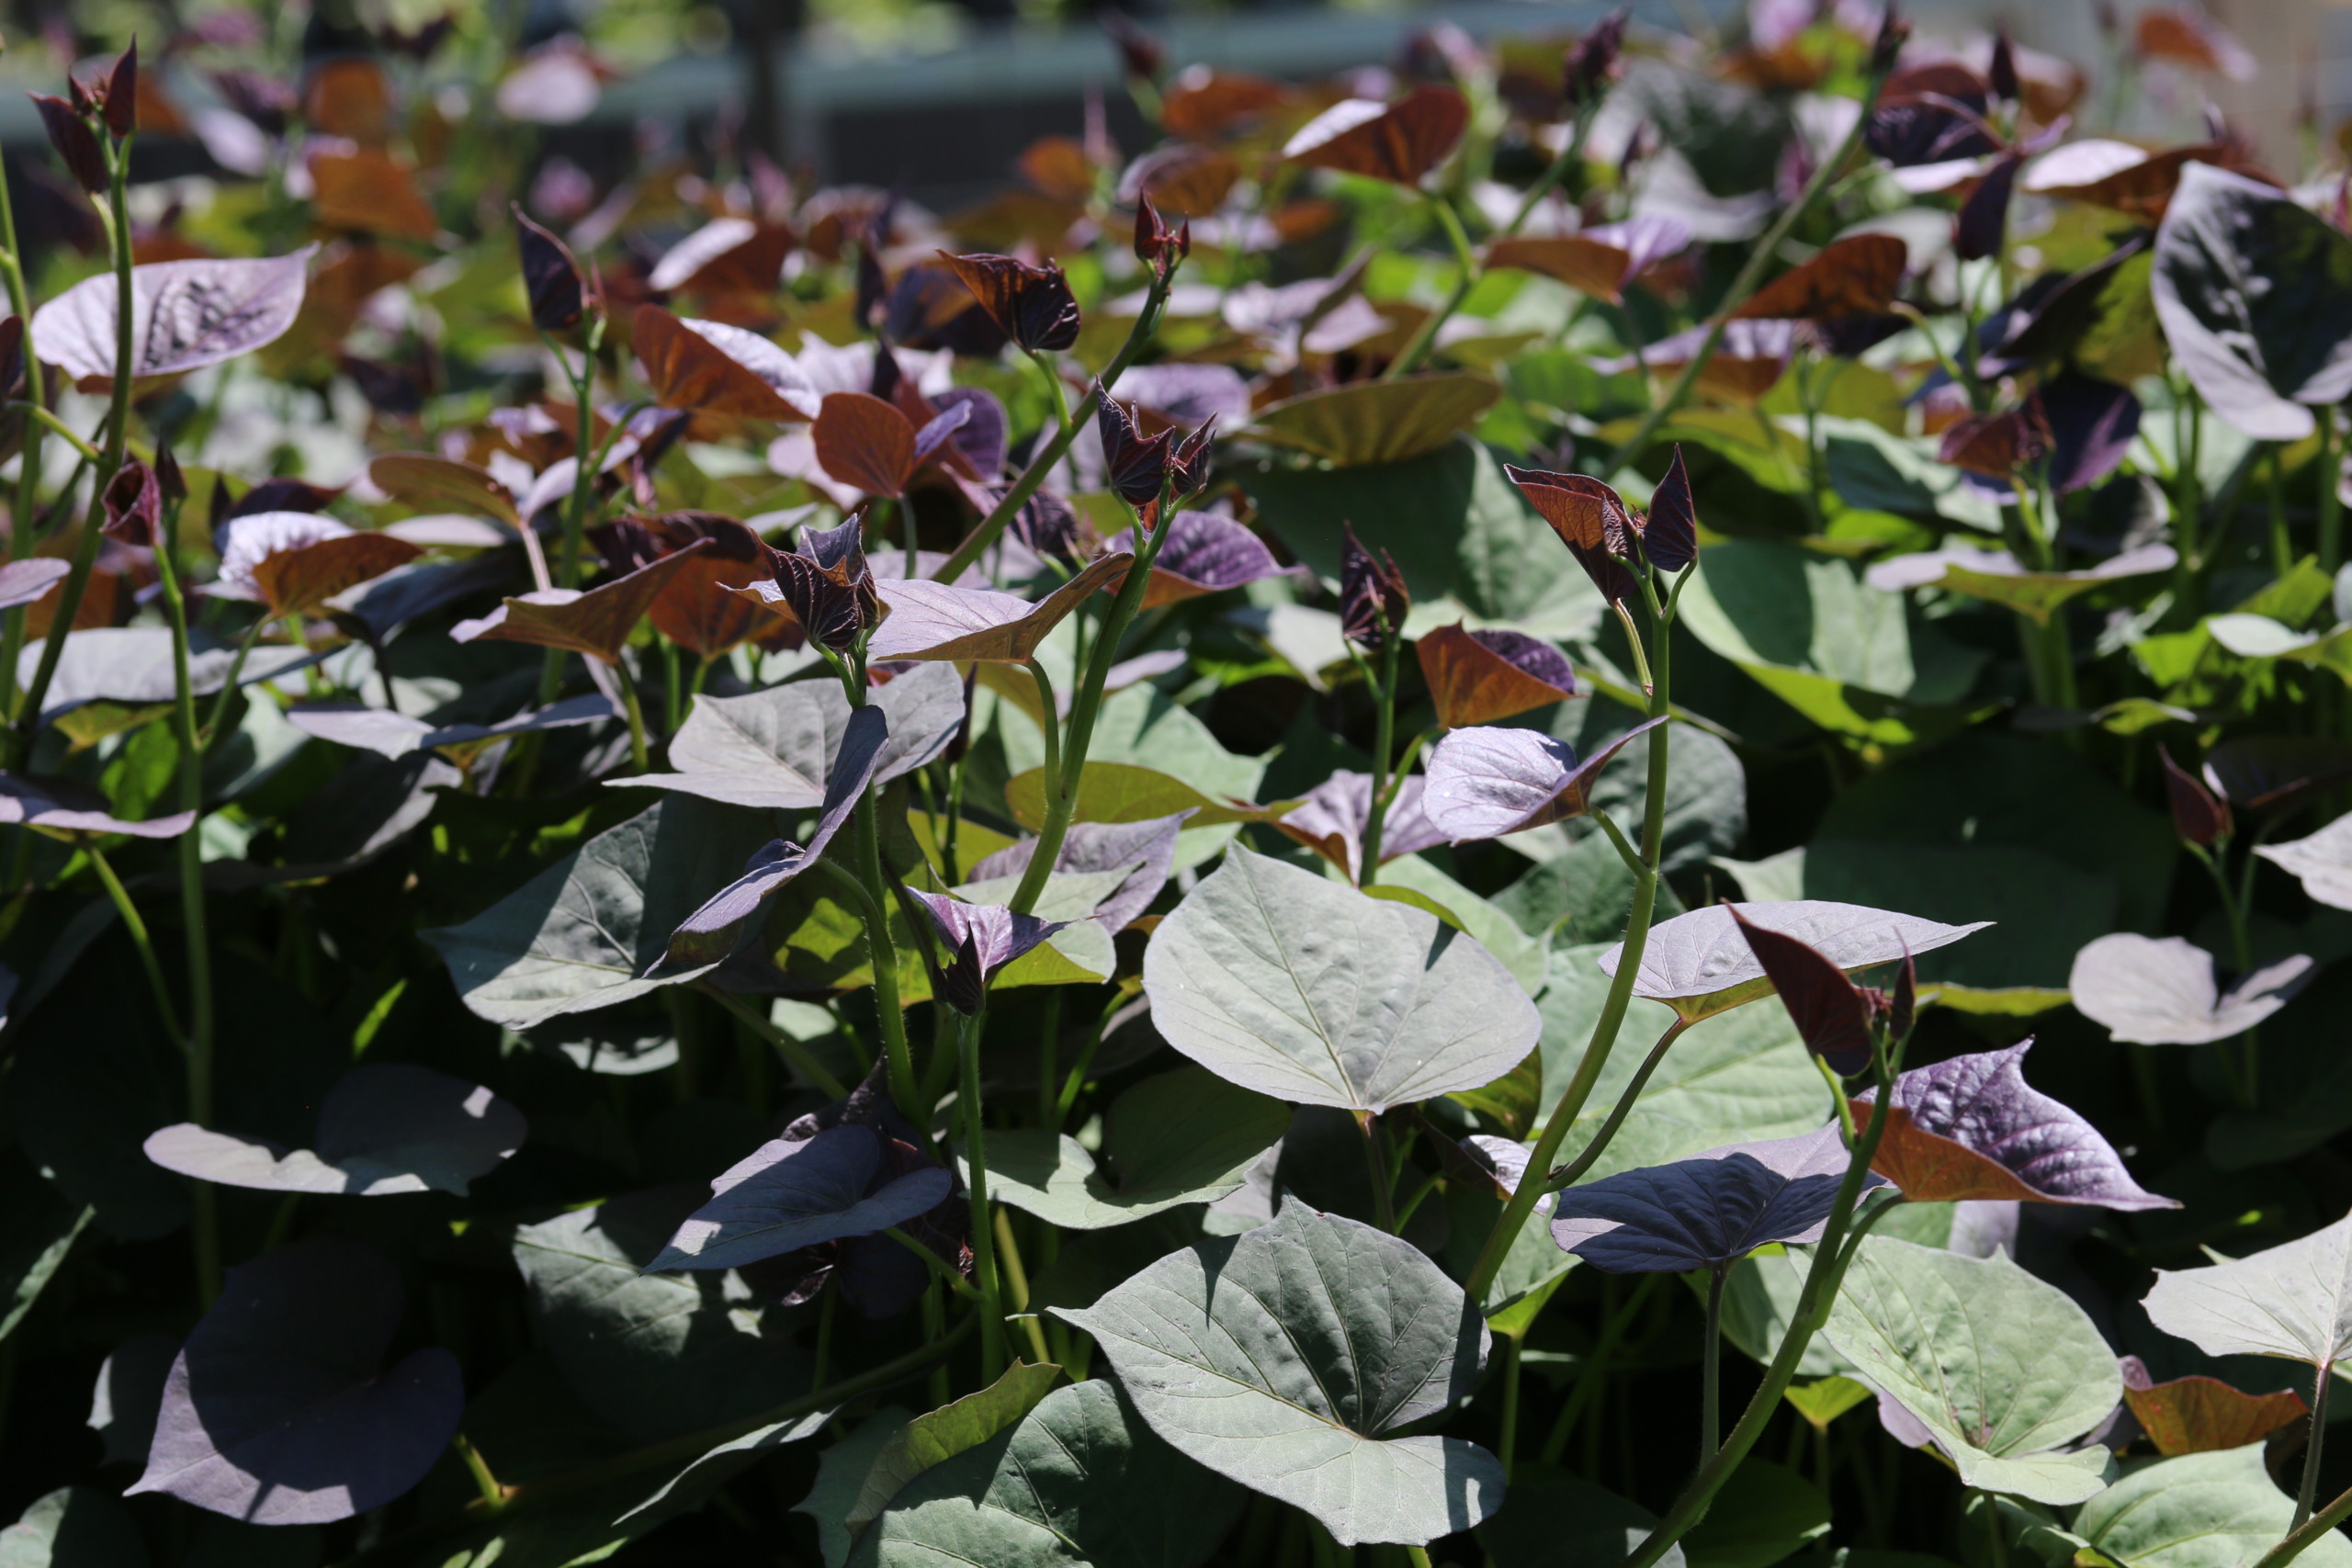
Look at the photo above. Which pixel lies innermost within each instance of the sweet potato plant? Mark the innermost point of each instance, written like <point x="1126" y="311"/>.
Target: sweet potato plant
<point x="1341" y="839"/>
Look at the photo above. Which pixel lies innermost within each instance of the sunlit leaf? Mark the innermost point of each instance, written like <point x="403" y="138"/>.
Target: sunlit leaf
<point x="183" y="315"/>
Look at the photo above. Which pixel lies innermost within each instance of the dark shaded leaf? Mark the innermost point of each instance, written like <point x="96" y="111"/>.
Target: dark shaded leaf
<point x="1372" y="597"/>
<point x="2198" y="815"/>
<point x="1854" y="276"/>
<point x="551" y="277"/>
<point x="1832" y="1014"/>
<point x="1032" y="305"/>
<point x="1707" y="1211"/>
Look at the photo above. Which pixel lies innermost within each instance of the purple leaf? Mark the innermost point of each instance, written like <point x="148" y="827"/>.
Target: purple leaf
<point x="1187" y="394"/>
<point x="1984" y="221"/>
<point x="1670" y="534"/>
<point x="936" y="430"/>
<point x="1972" y="1129"/>
<point x="67" y="807"/>
<point x="936" y="620"/>
<point x="275" y="1410"/>
<point x="1832" y="1014"/>
<point x="1135" y="466"/>
<point x="1205" y="552"/>
<point x="1332" y="819"/>
<point x="1701" y="964"/>
<point x="792" y="1193"/>
<point x="982" y="939"/>
<point x="385" y="1127"/>
<point x="1372" y="597"/>
<point x="711" y="933"/>
<point x="980" y="436"/>
<point x="1103" y="846"/>
<point x="2092" y="424"/>
<point x="1485" y="781"/>
<point x="550" y="277"/>
<point x="23" y="581"/>
<point x="183" y="315"/>
<point x="2161" y="991"/>
<point x="1707" y="1210"/>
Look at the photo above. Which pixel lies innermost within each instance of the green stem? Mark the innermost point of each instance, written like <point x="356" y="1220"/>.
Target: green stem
<point x="1830" y="1259"/>
<point x="639" y="755"/>
<point x="1147" y="327"/>
<point x="1061" y="800"/>
<point x="2303" y="1536"/>
<point x="1711" y="1420"/>
<point x="1375" y="1160"/>
<point x="1590" y="1376"/>
<point x="1750" y="277"/>
<point x="219" y="712"/>
<point x="1574" y="1171"/>
<point x="2309" y="1490"/>
<point x="1621" y="987"/>
<point x="2331" y="504"/>
<point x="992" y="1351"/>
<point x="1383" y="740"/>
<point x="1508" y="1451"/>
<point x="936" y="1264"/>
<point x="137" y="927"/>
<point x="40" y="415"/>
<point x="86" y="548"/>
<point x="791" y="1050"/>
<point x="1016" y="1284"/>
<point x="493" y="1495"/>
<point x="1467" y="278"/>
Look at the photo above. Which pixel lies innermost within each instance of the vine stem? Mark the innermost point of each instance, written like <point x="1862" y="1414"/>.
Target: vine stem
<point x="137" y="927"/>
<point x="1061" y="800"/>
<point x="1621" y="986"/>
<point x="1711" y="1420"/>
<point x="1830" y="1259"/>
<point x="86" y="548"/>
<point x="27" y="495"/>
<point x="2297" y="1540"/>
<point x="2309" y="1490"/>
<point x="791" y="1050"/>
<point x="1569" y="1174"/>
<point x="1383" y="739"/>
<point x="1750" y="277"/>
<point x="984" y="1275"/>
<point x="1147" y="327"/>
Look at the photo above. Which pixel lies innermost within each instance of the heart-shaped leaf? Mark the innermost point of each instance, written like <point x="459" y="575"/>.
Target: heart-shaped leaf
<point x="300" y="581"/>
<point x="596" y="623"/>
<point x="2252" y="290"/>
<point x="385" y="1127"/>
<point x="1706" y="1210"/>
<point x="431" y="483"/>
<point x="2001" y="1369"/>
<point x="1279" y="1358"/>
<point x="794" y="1193"/>
<point x="2293" y="1299"/>
<point x="1031" y="305"/>
<point x="1398" y="142"/>
<point x="774" y="748"/>
<point x="1148" y="847"/>
<point x="1204" y="552"/>
<point x="277" y="1410"/>
<point x="1997" y="576"/>
<point x="1081" y="1477"/>
<point x="1180" y="1137"/>
<point x="940" y="1435"/>
<point x="1701" y="964"/>
<point x="1482" y="676"/>
<point x="2207" y="1511"/>
<point x="183" y="315"/>
<point x="939" y="621"/>
<point x="709" y="934"/>
<point x="1297" y="986"/>
<point x="1854" y="276"/>
<point x="2160" y="990"/>
<point x="586" y="931"/>
<point x="712" y="367"/>
<point x="1600" y="261"/>
<point x="2201" y="1414"/>
<point x="864" y="442"/>
<point x="1971" y="1128"/>
<point x="1332" y="819"/>
<point x="2120" y="176"/>
<point x="1378" y="422"/>
<point x="1487" y="782"/>
<point x="1123" y="792"/>
<point x="725" y="256"/>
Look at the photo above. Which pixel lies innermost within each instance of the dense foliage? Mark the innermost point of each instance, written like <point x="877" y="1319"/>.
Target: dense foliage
<point x="1217" y="864"/>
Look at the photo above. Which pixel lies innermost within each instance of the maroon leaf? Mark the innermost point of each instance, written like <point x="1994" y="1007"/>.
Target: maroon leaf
<point x="1479" y="677"/>
<point x="1984" y="221"/>
<point x="865" y="444"/>
<point x="1589" y="517"/>
<point x="75" y="142"/>
<point x="2201" y="1414"/>
<point x="134" y="503"/>
<point x="1832" y="1014"/>
<point x="825" y="586"/>
<point x="1398" y="142"/>
<point x="984" y="938"/>
<point x="1331" y="821"/>
<point x="596" y="623"/>
<point x="1204" y="552"/>
<point x="1373" y="599"/>
<point x="2198" y="815"/>
<point x="121" y="101"/>
<point x="1032" y="305"/>
<point x="1670" y="534"/>
<point x="937" y="620"/>
<point x="1590" y="63"/>
<point x="1136" y="467"/>
<point x="1972" y="1128"/>
<point x="551" y="277"/>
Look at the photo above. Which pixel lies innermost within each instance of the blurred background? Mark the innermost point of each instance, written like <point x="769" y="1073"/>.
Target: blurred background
<point x="938" y="97"/>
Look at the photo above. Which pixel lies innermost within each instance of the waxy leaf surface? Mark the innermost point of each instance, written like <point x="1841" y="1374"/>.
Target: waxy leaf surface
<point x="1280" y="1357"/>
<point x="1489" y="780"/>
<point x="2293" y="1299"/>
<point x="1303" y="988"/>
<point x="1700" y="964"/>
<point x="2161" y="991"/>
<point x="789" y="1194"/>
<point x="2209" y="1510"/>
<point x="774" y="748"/>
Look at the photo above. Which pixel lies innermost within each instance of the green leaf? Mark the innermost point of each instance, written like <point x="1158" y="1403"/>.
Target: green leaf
<point x="584" y="932"/>
<point x="2293" y="1299"/>
<point x="841" y="1472"/>
<point x="1279" y="1358"/>
<point x="1872" y="469"/>
<point x="1121" y="792"/>
<point x="1377" y="421"/>
<point x="656" y="1355"/>
<point x="1824" y="1399"/>
<point x="940" y="1435"/>
<point x="1493" y="929"/>
<point x="38" y="1227"/>
<point x="2210" y="1510"/>
<point x="74" y="1526"/>
<point x="1302" y="988"/>
<point x="1738" y="1076"/>
<point x="1764" y="1513"/>
<point x="2000" y="1367"/>
<point x="1080" y="1481"/>
<point x="1182" y="1137"/>
<point x="1760" y="1302"/>
<point x="1585" y="893"/>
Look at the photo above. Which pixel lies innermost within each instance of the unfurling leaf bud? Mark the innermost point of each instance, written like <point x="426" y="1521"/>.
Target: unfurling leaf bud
<point x="1591" y="62"/>
<point x="134" y="503"/>
<point x="121" y="105"/>
<point x="75" y="141"/>
<point x="1373" y="598"/>
<point x="550" y="277"/>
<point x="1137" y="466"/>
<point x="2198" y="814"/>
